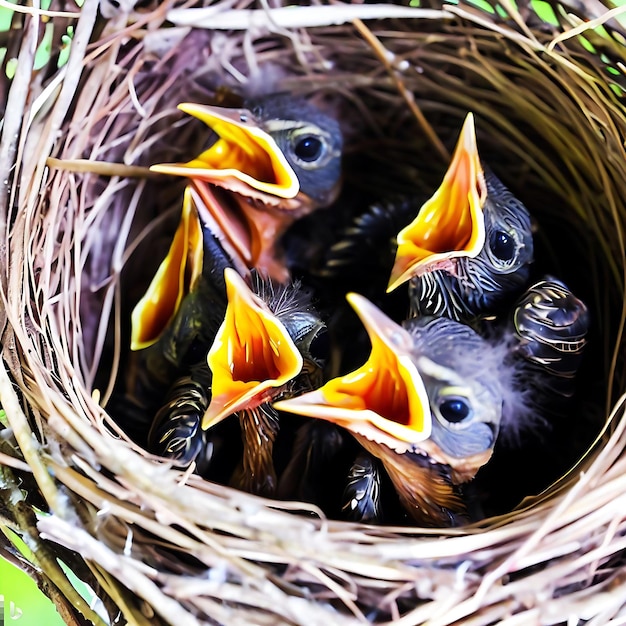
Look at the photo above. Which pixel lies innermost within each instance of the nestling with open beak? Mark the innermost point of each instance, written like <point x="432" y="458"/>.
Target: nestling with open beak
<point x="271" y="164"/>
<point x="546" y="334"/>
<point x="175" y="322"/>
<point x="429" y="403"/>
<point x="470" y="247"/>
<point x="264" y="349"/>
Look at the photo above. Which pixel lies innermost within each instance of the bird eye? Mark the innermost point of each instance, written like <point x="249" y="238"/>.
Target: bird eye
<point x="308" y="148"/>
<point x="319" y="348"/>
<point x="455" y="410"/>
<point x="502" y="245"/>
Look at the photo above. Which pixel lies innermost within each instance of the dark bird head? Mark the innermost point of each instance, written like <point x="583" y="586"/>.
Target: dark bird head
<point x="310" y="141"/>
<point x="470" y="246"/>
<point x="279" y="159"/>
<point x="465" y="389"/>
<point x="428" y="402"/>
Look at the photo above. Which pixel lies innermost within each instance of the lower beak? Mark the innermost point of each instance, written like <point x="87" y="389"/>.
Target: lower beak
<point x="250" y="234"/>
<point x="385" y="400"/>
<point x="174" y="279"/>
<point x="252" y="354"/>
<point x="450" y="224"/>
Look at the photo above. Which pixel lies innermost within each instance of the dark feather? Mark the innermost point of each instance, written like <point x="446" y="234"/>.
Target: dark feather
<point x="176" y="432"/>
<point x="363" y="256"/>
<point x="187" y="339"/>
<point x="361" y="496"/>
<point x="318" y="459"/>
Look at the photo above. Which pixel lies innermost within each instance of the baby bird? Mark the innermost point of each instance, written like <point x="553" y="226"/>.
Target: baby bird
<point x="264" y="350"/>
<point x="429" y="403"/>
<point x="175" y="322"/>
<point x="470" y="247"/>
<point x="271" y="164"/>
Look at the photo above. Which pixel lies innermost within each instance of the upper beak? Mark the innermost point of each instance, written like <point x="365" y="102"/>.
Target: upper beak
<point x="174" y="279"/>
<point x="244" y="159"/>
<point x="385" y="400"/>
<point x="451" y="223"/>
<point x="252" y="354"/>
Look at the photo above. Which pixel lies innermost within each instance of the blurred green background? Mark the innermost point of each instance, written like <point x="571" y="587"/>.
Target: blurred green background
<point x="24" y="604"/>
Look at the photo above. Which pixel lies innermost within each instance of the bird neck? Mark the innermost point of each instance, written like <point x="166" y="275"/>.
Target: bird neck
<point x="259" y="428"/>
<point x="425" y="489"/>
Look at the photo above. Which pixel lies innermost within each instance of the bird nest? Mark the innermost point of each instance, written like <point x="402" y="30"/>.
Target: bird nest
<point x="84" y="225"/>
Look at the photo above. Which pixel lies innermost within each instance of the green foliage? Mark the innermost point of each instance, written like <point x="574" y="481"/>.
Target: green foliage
<point x="47" y="45"/>
<point x="22" y="600"/>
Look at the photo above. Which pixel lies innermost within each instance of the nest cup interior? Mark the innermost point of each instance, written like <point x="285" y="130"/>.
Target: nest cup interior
<point x="520" y="137"/>
<point x="551" y="129"/>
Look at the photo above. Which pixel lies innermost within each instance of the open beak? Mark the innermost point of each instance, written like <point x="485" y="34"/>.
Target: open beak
<point x="174" y="279"/>
<point x="265" y="195"/>
<point x="244" y="158"/>
<point x="252" y="354"/>
<point x="451" y="224"/>
<point x="248" y="234"/>
<point x="385" y="400"/>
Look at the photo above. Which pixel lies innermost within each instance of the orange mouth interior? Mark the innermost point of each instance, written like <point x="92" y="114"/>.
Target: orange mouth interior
<point x="174" y="279"/>
<point x="243" y="159"/>
<point x="381" y="386"/>
<point x="252" y="354"/>
<point x="384" y="398"/>
<point x="451" y="223"/>
<point x="251" y="234"/>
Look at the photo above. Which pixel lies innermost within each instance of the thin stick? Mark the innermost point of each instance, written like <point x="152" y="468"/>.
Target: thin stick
<point x="102" y="168"/>
<point x="215" y="18"/>
<point x="35" y="11"/>
<point x="26" y="441"/>
<point x="11" y="461"/>
<point x="385" y="55"/>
